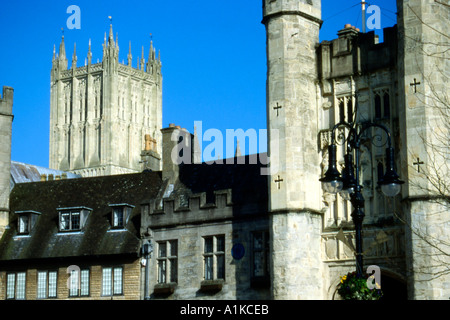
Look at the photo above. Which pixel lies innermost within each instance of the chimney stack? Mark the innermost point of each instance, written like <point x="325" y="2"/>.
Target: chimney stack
<point x="177" y="149"/>
<point x="6" y="118"/>
<point x="149" y="156"/>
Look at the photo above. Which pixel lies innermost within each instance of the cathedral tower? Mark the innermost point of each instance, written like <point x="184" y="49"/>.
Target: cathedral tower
<point x="6" y="117"/>
<point x="100" y="113"/>
<point x="292" y="28"/>
<point x="424" y="111"/>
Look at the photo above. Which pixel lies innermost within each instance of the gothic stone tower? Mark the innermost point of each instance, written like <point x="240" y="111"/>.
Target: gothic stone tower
<point x="6" y="117"/>
<point x="292" y="28"/>
<point x="101" y="113"/>
<point x="424" y="107"/>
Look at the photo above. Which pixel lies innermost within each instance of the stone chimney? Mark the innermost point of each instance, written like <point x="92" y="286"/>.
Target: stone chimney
<point x="150" y="158"/>
<point x="177" y="149"/>
<point x="6" y="118"/>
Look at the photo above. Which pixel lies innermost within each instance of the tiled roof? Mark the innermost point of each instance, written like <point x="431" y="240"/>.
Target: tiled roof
<point x="22" y="172"/>
<point x="96" y="193"/>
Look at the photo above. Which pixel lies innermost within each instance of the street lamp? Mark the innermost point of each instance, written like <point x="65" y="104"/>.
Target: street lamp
<point x="347" y="183"/>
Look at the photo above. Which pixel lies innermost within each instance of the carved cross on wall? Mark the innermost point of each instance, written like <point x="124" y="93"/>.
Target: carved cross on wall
<point x="279" y="180"/>
<point x="418" y="163"/>
<point x="277" y="107"/>
<point x="415" y="84"/>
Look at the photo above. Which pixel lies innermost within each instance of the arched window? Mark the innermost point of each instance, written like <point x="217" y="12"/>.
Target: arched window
<point x="377" y="106"/>
<point x="386" y="105"/>
<point x="341" y="111"/>
<point x="349" y="110"/>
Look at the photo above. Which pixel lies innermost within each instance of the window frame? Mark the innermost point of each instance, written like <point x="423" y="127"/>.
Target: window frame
<point x="80" y="285"/>
<point x="382" y="106"/>
<point x="20" y="229"/>
<point x="126" y="210"/>
<point x="265" y="252"/>
<point x="211" y="269"/>
<point x="112" y="281"/>
<point x="31" y="216"/>
<point x="83" y="214"/>
<point x="16" y="283"/>
<point x="167" y="265"/>
<point x="47" y="282"/>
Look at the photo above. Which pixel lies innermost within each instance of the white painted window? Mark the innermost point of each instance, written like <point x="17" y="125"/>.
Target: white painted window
<point x="167" y="261"/>
<point x="214" y="257"/>
<point x="112" y="281"/>
<point x="15" y="285"/>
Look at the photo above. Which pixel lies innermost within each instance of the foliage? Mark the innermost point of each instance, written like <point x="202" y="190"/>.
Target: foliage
<point x="354" y="287"/>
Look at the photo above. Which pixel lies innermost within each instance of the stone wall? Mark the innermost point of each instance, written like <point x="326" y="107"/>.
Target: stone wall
<point x="131" y="280"/>
<point x="423" y="104"/>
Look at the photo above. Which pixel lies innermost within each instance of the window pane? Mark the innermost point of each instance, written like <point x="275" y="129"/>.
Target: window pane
<point x="377" y="107"/>
<point x="117" y="280"/>
<point x="65" y="221"/>
<point x="208" y="268"/>
<point x="10" y="286"/>
<point x="173" y="270"/>
<point x="162" y="271"/>
<point x="221" y="244"/>
<point x="118" y="217"/>
<point x="208" y="244"/>
<point x="173" y="248"/>
<point x="42" y="285"/>
<point x="349" y="110"/>
<point x="220" y="266"/>
<point x="106" y="282"/>
<point x="73" y="290"/>
<point x="258" y="241"/>
<point x="20" y="286"/>
<point x="84" y="285"/>
<point x="52" y="283"/>
<point x="162" y="249"/>
<point x="75" y="217"/>
<point x="23" y="224"/>
<point x="341" y="111"/>
<point x="386" y="105"/>
<point x="258" y="263"/>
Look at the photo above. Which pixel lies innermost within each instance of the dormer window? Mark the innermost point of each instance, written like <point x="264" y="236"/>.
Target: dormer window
<point x="73" y="219"/>
<point x="26" y="221"/>
<point x="120" y="214"/>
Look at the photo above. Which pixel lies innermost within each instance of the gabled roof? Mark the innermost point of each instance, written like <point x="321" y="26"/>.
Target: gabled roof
<point x="96" y="193"/>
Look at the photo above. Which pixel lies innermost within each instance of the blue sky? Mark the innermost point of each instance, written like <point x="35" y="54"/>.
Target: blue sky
<point x="213" y="55"/>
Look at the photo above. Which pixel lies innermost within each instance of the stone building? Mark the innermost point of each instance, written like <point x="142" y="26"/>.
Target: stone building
<point x="400" y="83"/>
<point x="101" y="112"/>
<point x="226" y="230"/>
<point x="75" y="238"/>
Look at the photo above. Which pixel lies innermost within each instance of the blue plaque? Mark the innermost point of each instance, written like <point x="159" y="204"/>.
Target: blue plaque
<point x="238" y="251"/>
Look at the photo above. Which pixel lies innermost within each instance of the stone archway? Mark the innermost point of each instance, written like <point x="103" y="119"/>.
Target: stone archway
<point x="393" y="287"/>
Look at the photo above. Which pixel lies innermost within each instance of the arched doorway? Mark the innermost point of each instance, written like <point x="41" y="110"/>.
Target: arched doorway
<point x="393" y="288"/>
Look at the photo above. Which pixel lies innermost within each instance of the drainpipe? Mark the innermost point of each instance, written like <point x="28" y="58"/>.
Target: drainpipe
<point x="147" y="249"/>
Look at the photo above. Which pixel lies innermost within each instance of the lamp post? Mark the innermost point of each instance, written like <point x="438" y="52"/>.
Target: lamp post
<point x="347" y="183"/>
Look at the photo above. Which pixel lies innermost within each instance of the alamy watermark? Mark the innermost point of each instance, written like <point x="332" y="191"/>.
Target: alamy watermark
<point x="74" y="20"/>
<point x="181" y="153"/>
<point x="374" y="20"/>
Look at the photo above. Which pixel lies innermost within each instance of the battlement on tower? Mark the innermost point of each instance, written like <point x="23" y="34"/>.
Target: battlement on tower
<point x="100" y="113"/>
<point x="184" y="209"/>
<point x="354" y="52"/>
